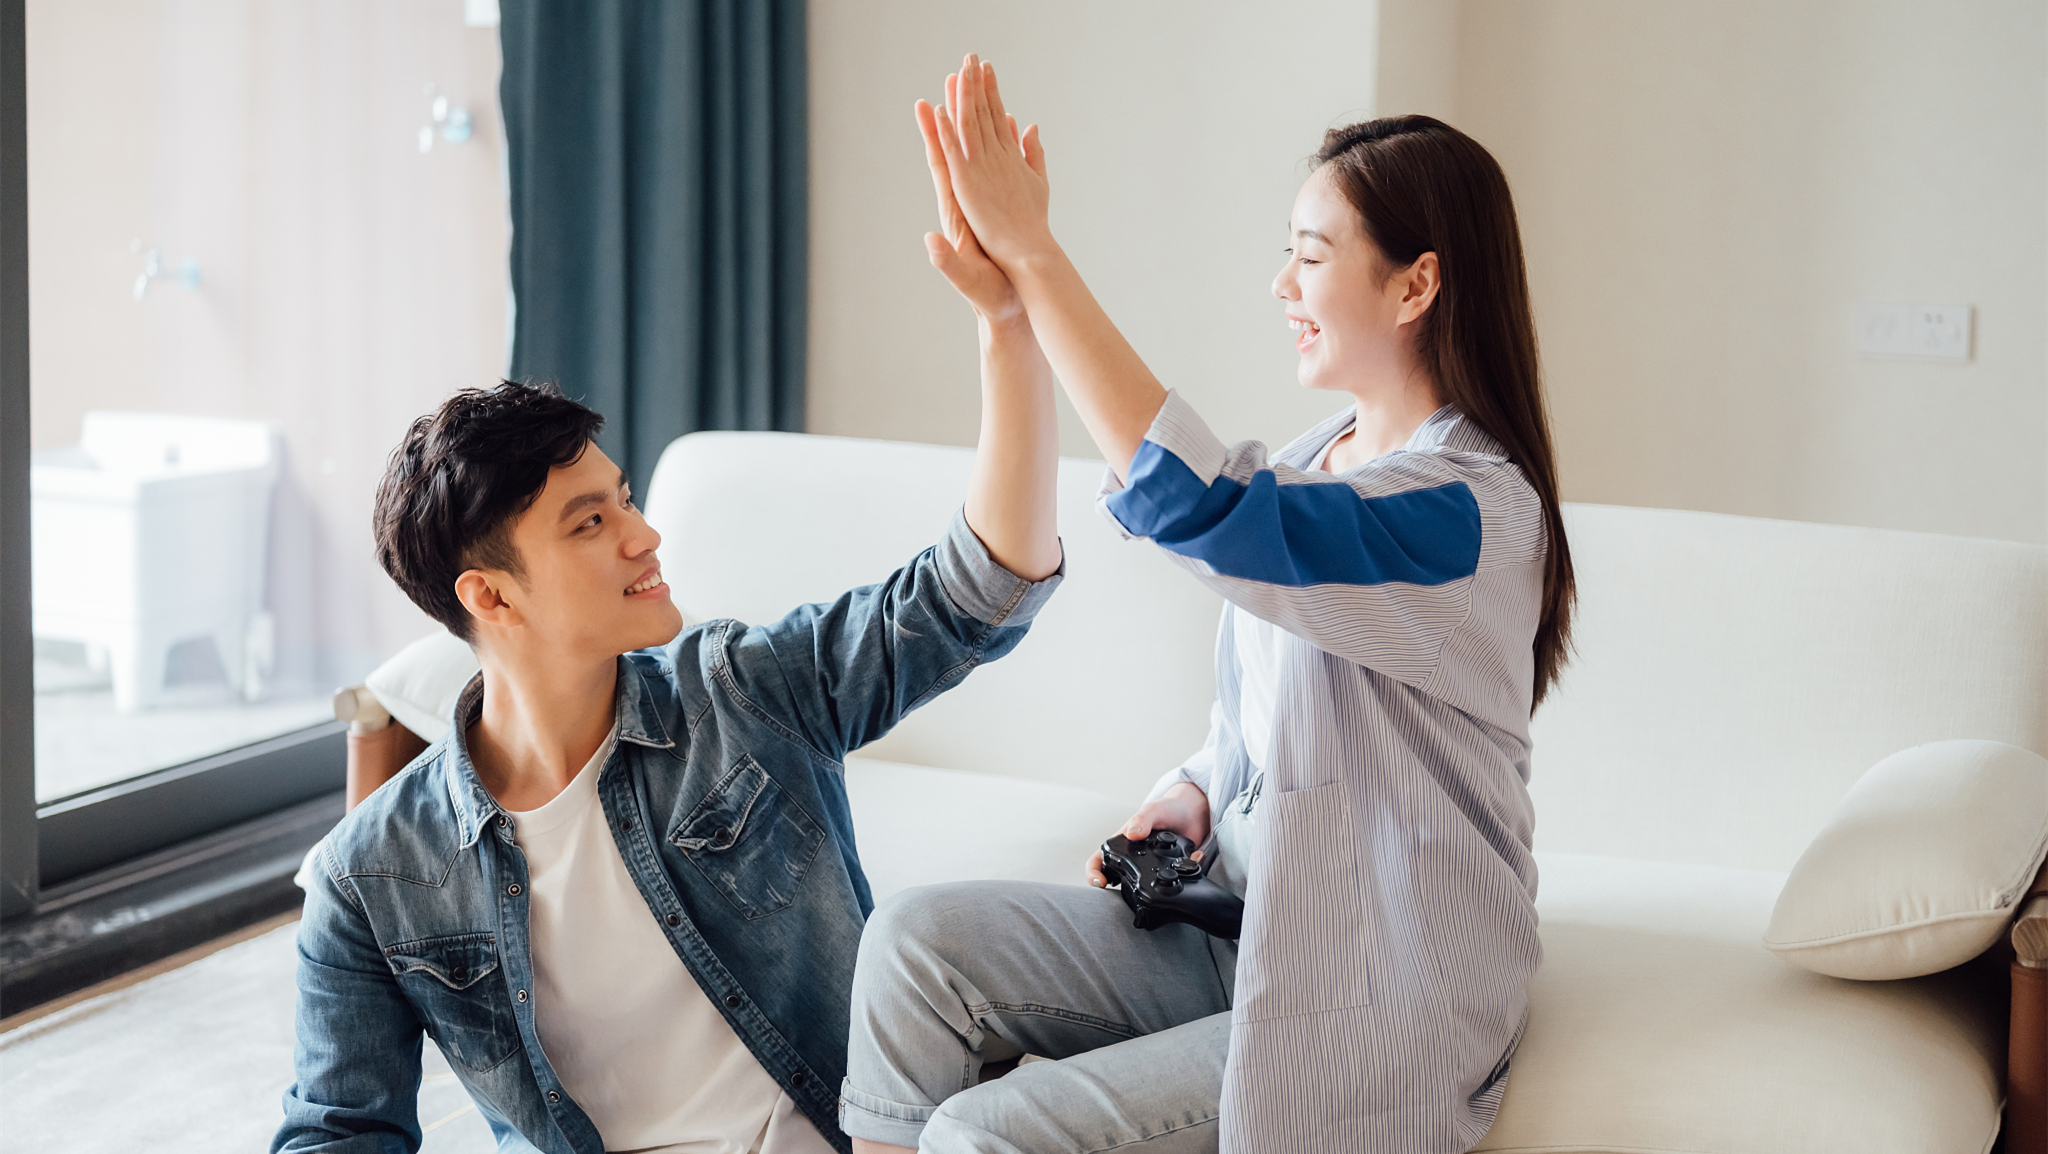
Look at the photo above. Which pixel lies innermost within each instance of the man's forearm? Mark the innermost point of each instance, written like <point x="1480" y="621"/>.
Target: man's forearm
<point x="1115" y="393"/>
<point x="1010" y="502"/>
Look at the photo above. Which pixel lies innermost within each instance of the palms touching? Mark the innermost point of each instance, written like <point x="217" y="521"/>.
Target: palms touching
<point x="956" y="251"/>
<point x="992" y="187"/>
<point x="996" y="174"/>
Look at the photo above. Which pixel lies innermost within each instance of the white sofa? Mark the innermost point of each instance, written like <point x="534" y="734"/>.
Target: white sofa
<point x="1733" y="678"/>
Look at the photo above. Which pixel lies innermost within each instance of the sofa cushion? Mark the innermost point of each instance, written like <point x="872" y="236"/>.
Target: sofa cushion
<point x="420" y="683"/>
<point x="919" y="826"/>
<point x="1658" y="1022"/>
<point x="1921" y="867"/>
<point x="1110" y="690"/>
<point x="1732" y="677"/>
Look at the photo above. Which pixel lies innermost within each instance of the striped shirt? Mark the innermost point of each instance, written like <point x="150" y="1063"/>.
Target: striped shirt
<point x="1390" y="923"/>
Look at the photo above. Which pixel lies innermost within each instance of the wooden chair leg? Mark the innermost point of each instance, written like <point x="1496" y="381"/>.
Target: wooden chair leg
<point x="2026" y="1065"/>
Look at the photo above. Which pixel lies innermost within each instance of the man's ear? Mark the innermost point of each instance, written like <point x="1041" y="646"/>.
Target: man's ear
<point x="482" y="592"/>
<point x="1419" y="283"/>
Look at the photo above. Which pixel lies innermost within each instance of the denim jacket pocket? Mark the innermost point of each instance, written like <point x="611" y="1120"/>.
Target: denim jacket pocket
<point x="470" y="1018"/>
<point x="751" y="840"/>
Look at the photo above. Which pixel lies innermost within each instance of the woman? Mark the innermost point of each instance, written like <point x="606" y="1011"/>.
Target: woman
<point x="1399" y="600"/>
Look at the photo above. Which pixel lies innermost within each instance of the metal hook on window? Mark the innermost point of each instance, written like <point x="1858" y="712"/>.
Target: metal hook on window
<point x="149" y="268"/>
<point x="453" y="121"/>
<point x="152" y="266"/>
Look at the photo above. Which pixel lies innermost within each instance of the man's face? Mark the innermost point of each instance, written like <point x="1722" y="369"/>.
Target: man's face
<point x="592" y="587"/>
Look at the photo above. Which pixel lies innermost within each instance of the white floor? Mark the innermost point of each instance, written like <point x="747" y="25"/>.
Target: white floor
<point x="82" y="742"/>
<point x="191" y="1060"/>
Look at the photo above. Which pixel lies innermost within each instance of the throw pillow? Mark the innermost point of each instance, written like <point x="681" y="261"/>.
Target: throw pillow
<point x="1921" y="866"/>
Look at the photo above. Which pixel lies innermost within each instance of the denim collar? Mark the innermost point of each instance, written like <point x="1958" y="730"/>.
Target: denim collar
<point x="635" y="713"/>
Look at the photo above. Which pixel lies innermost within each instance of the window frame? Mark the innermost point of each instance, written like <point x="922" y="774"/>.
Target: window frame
<point x="99" y="829"/>
<point x="19" y="884"/>
<point x="51" y="847"/>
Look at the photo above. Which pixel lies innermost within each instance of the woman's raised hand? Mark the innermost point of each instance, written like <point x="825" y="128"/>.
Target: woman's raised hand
<point x="997" y="174"/>
<point x="954" y="250"/>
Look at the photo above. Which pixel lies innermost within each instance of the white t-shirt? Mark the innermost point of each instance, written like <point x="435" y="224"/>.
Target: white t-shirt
<point x="632" y="1036"/>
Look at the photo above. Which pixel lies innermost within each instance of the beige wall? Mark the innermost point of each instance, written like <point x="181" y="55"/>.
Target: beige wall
<point x="1707" y="190"/>
<point x="1175" y="135"/>
<point x="348" y="282"/>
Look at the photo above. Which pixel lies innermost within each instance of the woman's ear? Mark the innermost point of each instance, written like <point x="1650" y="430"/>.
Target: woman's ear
<point x="482" y="593"/>
<point x="1419" y="284"/>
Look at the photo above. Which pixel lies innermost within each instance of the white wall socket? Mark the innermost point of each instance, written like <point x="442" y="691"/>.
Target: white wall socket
<point x="1939" y="331"/>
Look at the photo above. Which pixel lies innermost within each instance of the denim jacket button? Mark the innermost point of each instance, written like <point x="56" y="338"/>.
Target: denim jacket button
<point x="721" y="836"/>
<point x="626" y="824"/>
<point x="521" y="995"/>
<point x="675" y="919"/>
<point x="798" y="1078"/>
<point x="513" y="889"/>
<point x="733" y="1000"/>
<point x="554" y="1095"/>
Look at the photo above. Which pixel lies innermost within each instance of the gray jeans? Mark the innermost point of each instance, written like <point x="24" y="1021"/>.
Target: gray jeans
<point x="951" y="976"/>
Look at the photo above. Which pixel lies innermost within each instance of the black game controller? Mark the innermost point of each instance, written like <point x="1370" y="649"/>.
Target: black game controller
<point x="1162" y="883"/>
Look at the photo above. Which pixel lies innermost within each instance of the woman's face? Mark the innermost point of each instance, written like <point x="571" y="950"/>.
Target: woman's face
<point x="1349" y="311"/>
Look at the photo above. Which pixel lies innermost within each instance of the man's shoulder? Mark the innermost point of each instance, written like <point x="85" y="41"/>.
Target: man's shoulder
<point x="405" y="827"/>
<point x="678" y="675"/>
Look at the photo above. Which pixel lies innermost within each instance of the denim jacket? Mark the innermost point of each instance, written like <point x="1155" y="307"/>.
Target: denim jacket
<point x="726" y="796"/>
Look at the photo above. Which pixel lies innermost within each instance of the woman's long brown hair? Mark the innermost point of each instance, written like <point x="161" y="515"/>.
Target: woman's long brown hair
<point x="1422" y="186"/>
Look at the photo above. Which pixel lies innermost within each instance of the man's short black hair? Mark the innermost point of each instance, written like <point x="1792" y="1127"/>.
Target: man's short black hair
<point x="460" y="478"/>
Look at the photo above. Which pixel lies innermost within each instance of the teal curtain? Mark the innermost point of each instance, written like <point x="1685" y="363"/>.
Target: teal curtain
<point x="657" y="170"/>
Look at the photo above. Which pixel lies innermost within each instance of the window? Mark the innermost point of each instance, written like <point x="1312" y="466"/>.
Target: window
<point x="260" y="241"/>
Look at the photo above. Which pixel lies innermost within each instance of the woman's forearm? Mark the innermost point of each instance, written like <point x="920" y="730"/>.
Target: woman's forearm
<point x="1010" y="497"/>
<point x="1116" y="395"/>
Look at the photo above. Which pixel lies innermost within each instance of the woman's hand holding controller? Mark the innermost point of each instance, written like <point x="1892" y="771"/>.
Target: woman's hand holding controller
<point x="1184" y="809"/>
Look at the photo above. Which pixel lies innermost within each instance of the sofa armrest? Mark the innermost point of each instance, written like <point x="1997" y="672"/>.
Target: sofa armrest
<point x="375" y="758"/>
<point x="378" y="747"/>
<point x="2030" y="927"/>
<point x="2026" y="1064"/>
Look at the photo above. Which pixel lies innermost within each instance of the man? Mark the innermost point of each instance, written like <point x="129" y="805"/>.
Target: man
<point x="622" y="893"/>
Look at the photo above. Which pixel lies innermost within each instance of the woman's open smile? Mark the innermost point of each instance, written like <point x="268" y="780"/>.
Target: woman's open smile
<point x="1307" y="328"/>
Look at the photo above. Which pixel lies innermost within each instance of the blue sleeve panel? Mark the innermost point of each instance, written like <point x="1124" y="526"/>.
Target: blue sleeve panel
<point x="1297" y="535"/>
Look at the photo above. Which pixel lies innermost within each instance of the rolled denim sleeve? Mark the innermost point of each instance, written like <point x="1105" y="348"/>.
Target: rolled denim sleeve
<point x="982" y="588"/>
<point x="842" y="673"/>
<point x="357" y="1057"/>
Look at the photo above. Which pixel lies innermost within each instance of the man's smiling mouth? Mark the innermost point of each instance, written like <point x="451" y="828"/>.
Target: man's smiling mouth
<point x="648" y="582"/>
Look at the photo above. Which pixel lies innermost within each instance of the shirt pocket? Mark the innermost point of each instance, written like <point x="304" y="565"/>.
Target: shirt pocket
<point x="1312" y="951"/>
<point x="468" y="1017"/>
<point x="751" y="840"/>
